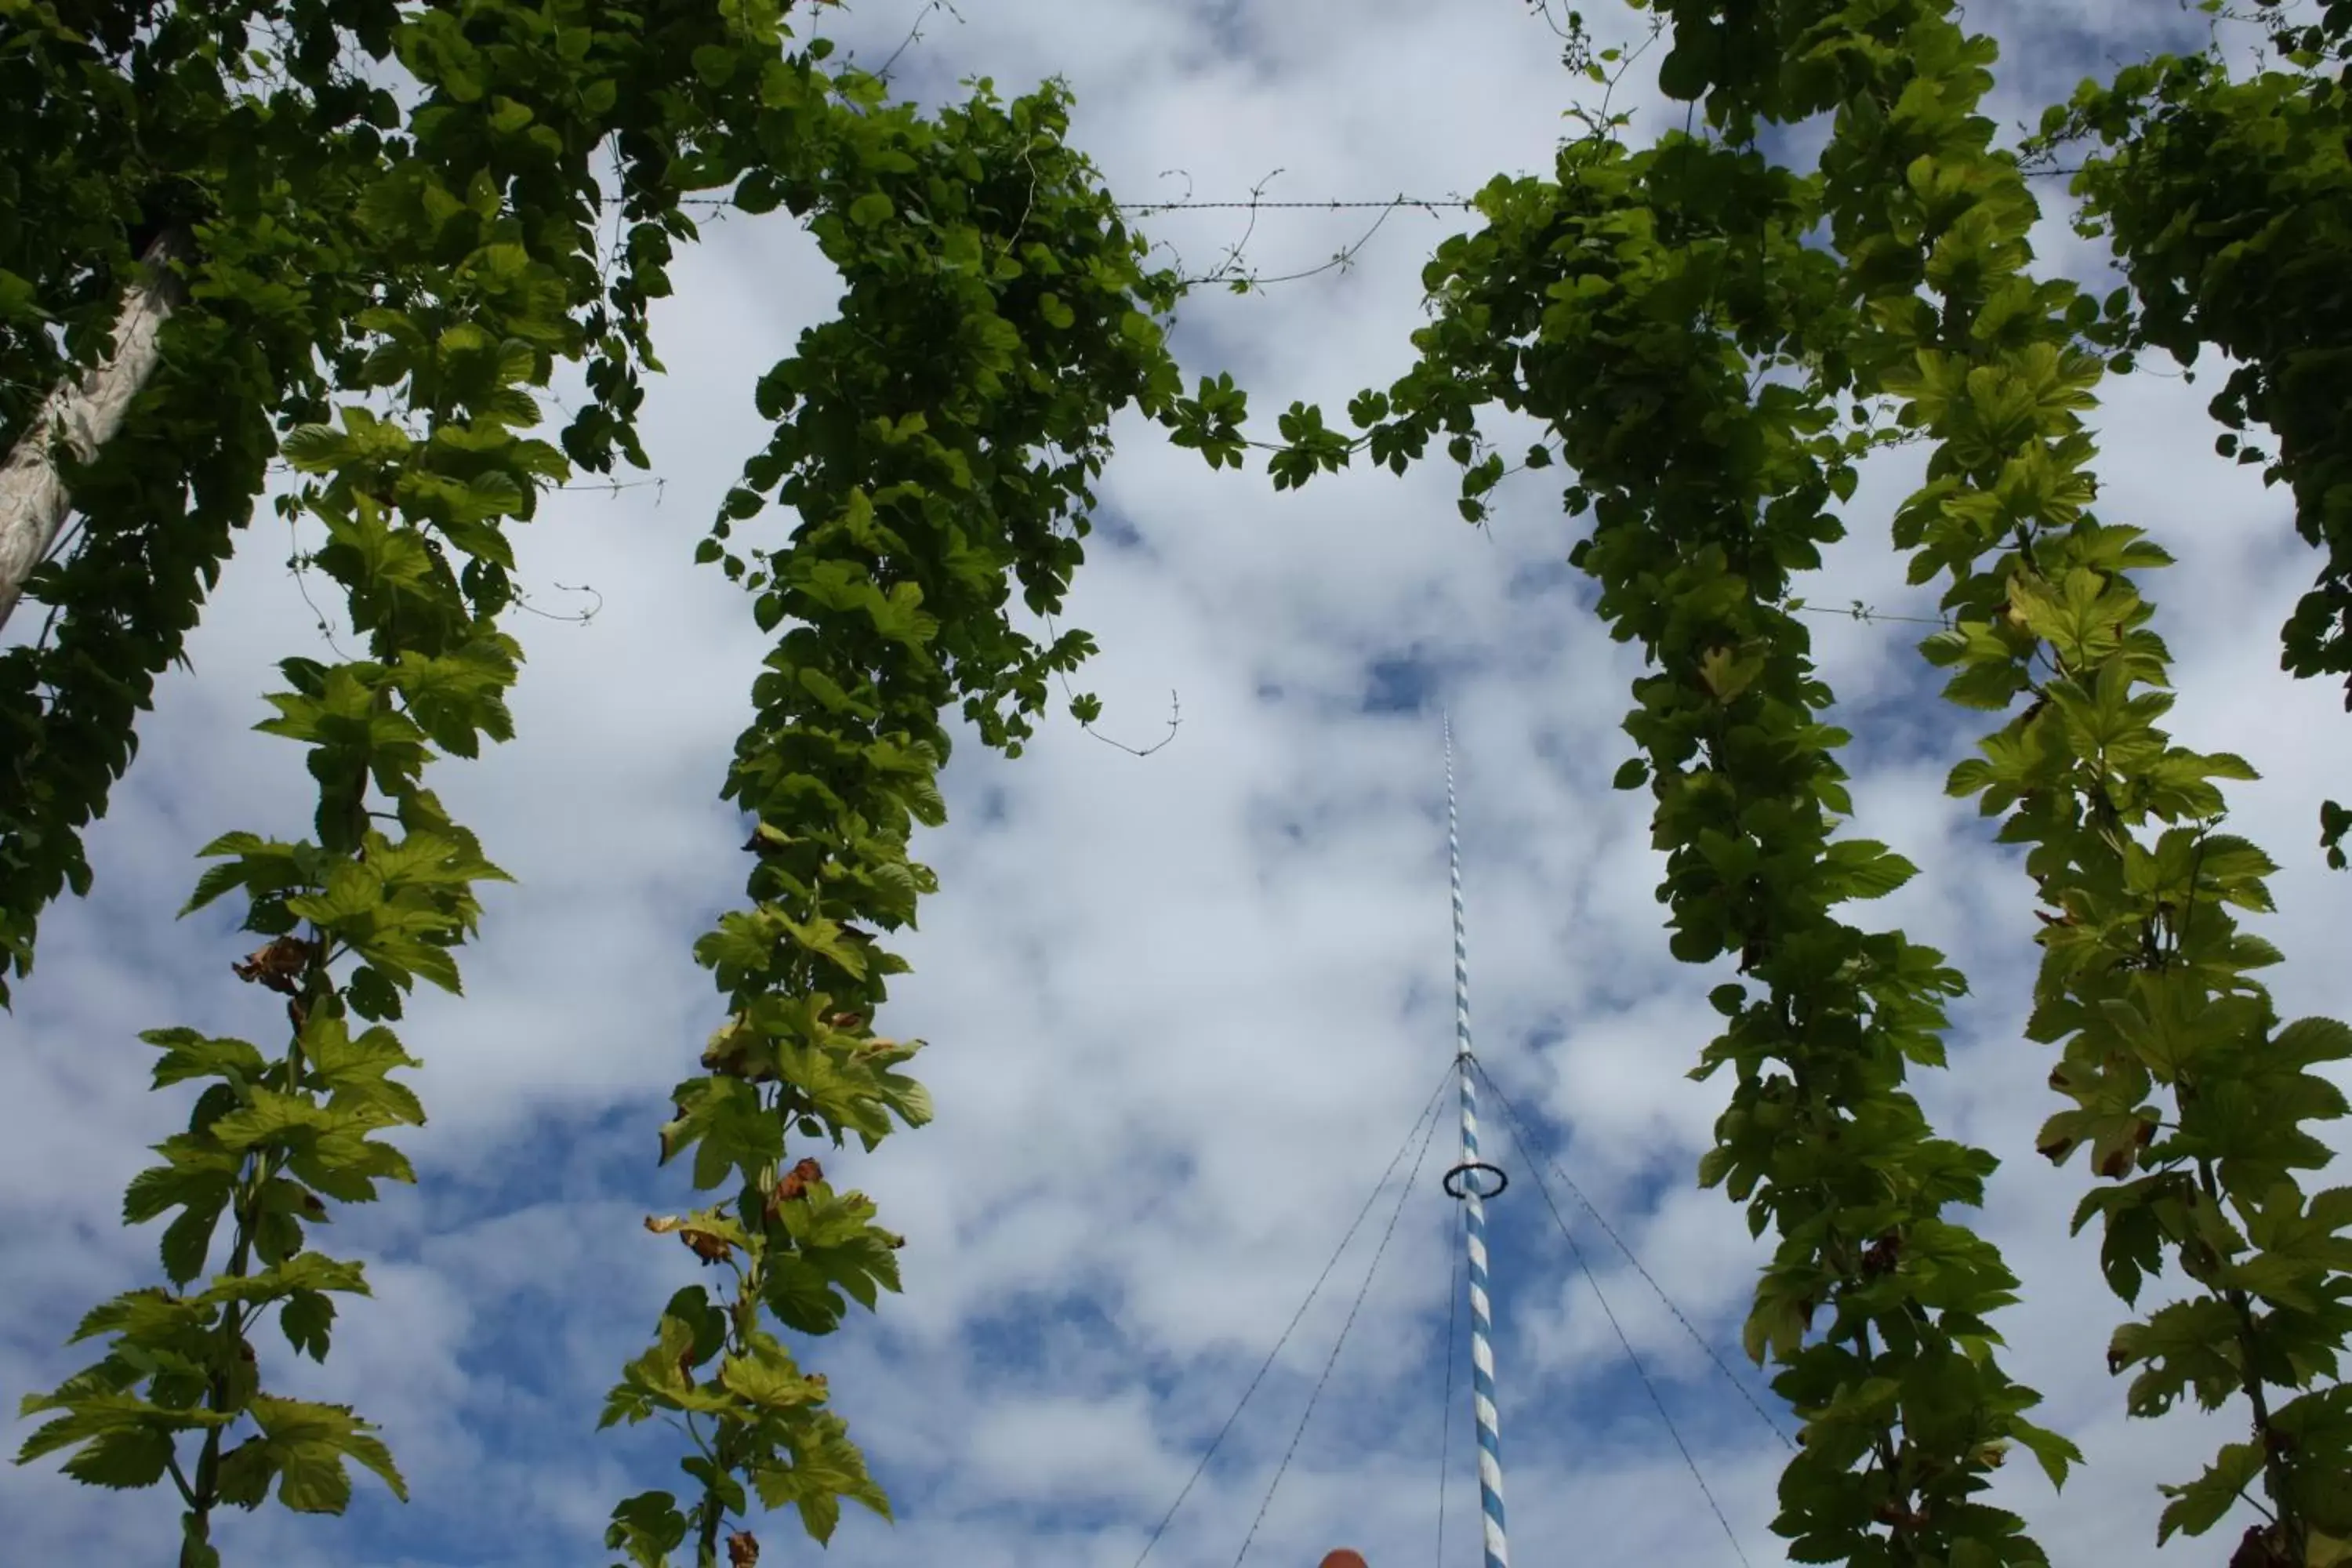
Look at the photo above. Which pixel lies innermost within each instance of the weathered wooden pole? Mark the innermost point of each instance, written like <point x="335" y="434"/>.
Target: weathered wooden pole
<point x="83" y="413"/>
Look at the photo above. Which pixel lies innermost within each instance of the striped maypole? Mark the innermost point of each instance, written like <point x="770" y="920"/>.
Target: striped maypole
<point x="1468" y="1182"/>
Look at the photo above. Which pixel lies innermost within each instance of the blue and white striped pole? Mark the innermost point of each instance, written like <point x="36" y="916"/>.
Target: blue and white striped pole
<point x="1465" y="1186"/>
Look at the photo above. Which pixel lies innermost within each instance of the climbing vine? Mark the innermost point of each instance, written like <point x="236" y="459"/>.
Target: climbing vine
<point x="1629" y="304"/>
<point x="119" y="133"/>
<point x="2187" y="1091"/>
<point x="1690" y="373"/>
<point x="420" y="268"/>
<point x="128" y="122"/>
<point x="472" y="236"/>
<point x="2229" y="205"/>
<point x="937" y="443"/>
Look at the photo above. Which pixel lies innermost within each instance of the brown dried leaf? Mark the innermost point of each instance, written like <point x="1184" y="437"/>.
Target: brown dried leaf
<point x="798" y="1179"/>
<point x="727" y="1045"/>
<point x="707" y="1246"/>
<point x="279" y="966"/>
<point x="1892" y="1512"/>
<point x="2260" y="1548"/>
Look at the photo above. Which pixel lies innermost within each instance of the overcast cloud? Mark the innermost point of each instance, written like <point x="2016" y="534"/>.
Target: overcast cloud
<point x="1182" y="1009"/>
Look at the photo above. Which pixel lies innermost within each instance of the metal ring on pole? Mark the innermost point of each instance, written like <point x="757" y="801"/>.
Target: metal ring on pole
<point x="1457" y="1186"/>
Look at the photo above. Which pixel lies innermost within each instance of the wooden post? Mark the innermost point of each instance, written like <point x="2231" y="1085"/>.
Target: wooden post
<point x="85" y="413"/>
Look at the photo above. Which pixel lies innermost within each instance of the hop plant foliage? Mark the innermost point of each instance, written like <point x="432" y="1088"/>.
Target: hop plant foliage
<point x="1635" y="303"/>
<point x="431" y="267"/>
<point x="937" y="442"/>
<point x="378" y="288"/>
<point x="1623" y="303"/>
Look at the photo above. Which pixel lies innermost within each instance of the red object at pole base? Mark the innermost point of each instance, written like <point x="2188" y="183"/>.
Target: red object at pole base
<point x="1344" y="1558"/>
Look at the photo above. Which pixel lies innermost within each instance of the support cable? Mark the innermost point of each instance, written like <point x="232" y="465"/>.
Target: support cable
<point x="1520" y="1139"/>
<point x="1519" y="1136"/>
<point x="1428" y="204"/>
<point x="1427" y="1114"/>
<point x="1338" y="1344"/>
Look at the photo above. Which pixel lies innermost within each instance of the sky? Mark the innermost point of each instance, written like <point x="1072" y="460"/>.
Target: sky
<point x="1181" y="1009"/>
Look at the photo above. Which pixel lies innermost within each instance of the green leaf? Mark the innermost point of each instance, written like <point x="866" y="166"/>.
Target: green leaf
<point x="659" y="1379"/>
<point x="801" y="1296"/>
<point x="308" y="1445"/>
<point x="304" y="1273"/>
<point x="124" y="1441"/>
<point x="371" y="994"/>
<point x="307" y="1319"/>
<point x="315" y="449"/>
<point x="153" y="1318"/>
<point x="187" y="1241"/>
<point x="191" y="1179"/>
<point x="2056" y="1453"/>
<point x="824" y="1467"/>
<point x="649" y="1527"/>
<point x="1859" y="868"/>
<point x="1683" y="76"/>
<point x="2307" y="1042"/>
<point x="1779" y="1321"/>
<point x="18" y="300"/>
<point x="123" y="1458"/>
<point x="355" y="1072"/>
<point x="270" y="1120"/>
<point x="723" y="1121"/>
<point x="759" y="190"/>
<point x="245" y="1471"/>
<point x="871" y="210"/>
<point x="768" y="1378"/>
<point x="187" y="1055"/>
<point x="2186" y="1346"/>
<point x="264" y="867"/>
<point x="2199" y="1506"/>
